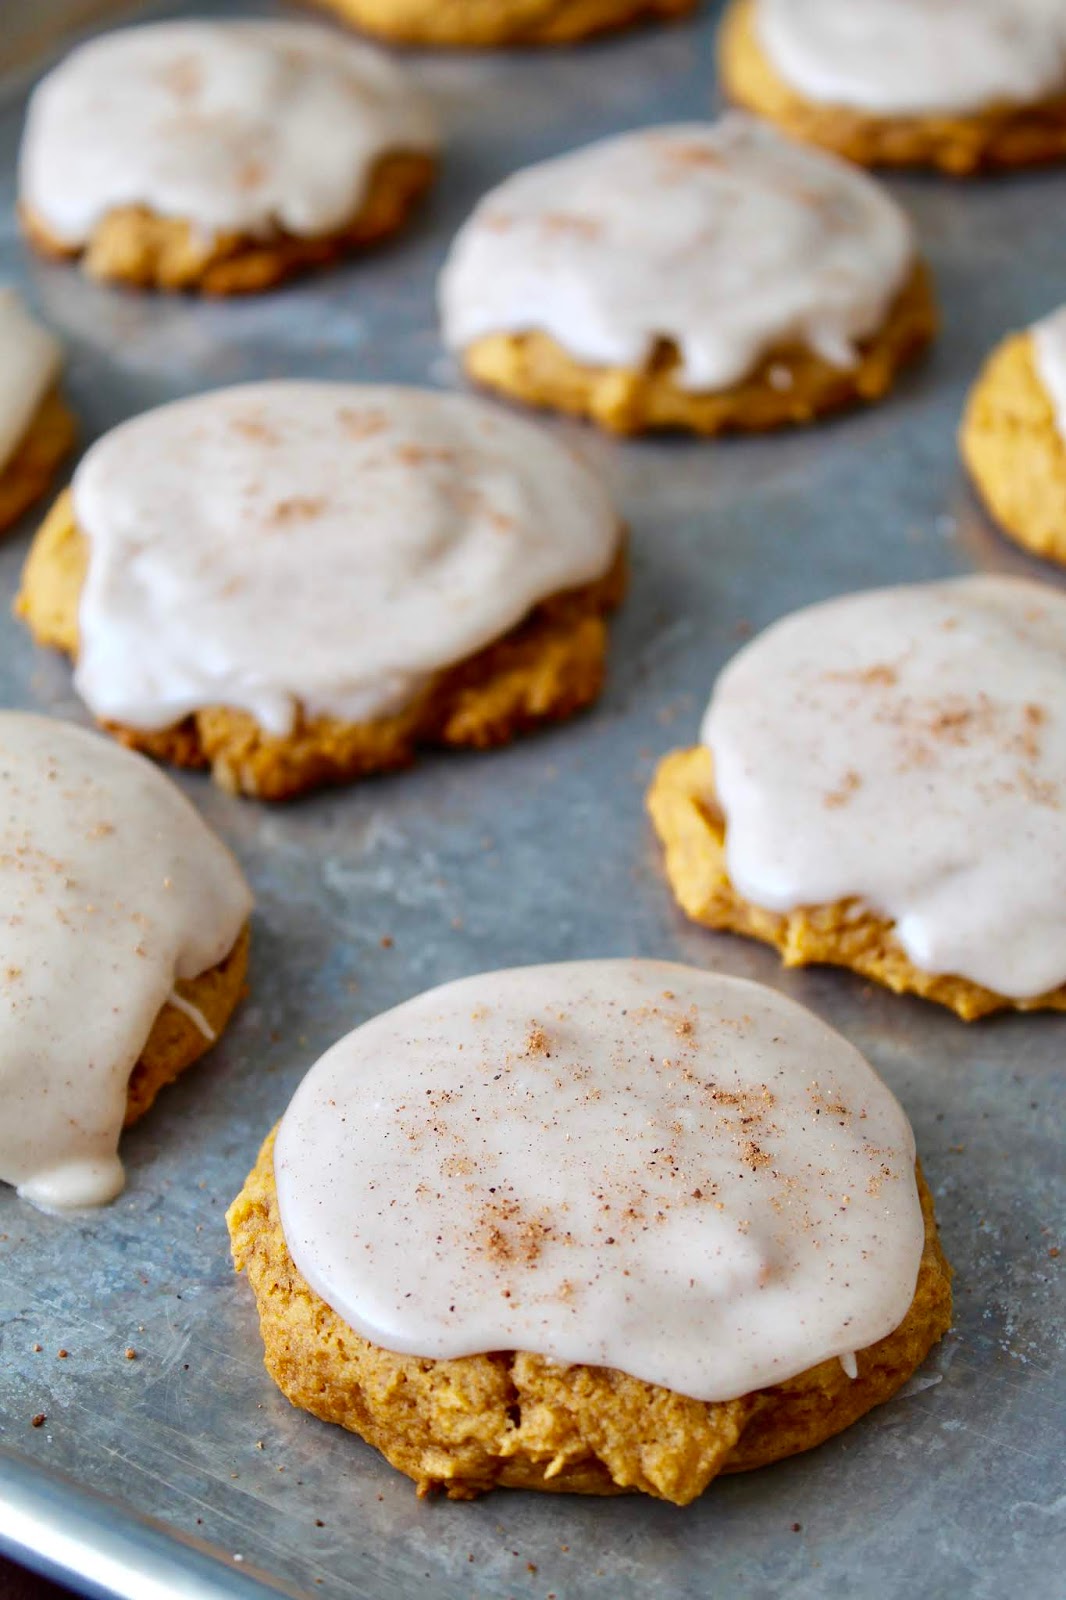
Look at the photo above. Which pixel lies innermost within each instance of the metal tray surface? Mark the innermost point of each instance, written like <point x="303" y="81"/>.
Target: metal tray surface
<point x="540" y="852"/>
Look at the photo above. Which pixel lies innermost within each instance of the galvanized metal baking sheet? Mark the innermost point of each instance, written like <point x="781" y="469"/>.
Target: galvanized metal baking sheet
<point x="535" y="853"/>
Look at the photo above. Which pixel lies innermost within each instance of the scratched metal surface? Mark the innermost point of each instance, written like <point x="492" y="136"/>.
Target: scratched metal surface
<point x="534" y="853"/>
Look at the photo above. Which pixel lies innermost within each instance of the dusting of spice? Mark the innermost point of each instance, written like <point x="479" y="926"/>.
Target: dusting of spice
<point x="408" y="528"/>
<point x="620" y="1163"/>
<point x="764" y="243"/>
<point x="905" y="750"/>
<point x="220" y="123"/>
<point x="112" y="888"/>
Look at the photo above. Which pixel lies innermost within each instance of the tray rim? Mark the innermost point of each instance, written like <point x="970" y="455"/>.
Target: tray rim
<point x="66" y="1532"/>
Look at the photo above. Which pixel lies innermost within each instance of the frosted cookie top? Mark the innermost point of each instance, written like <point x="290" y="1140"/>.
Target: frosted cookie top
<point x="1049" y="348"/>
<point x="29" y="365"/>
<point x="236" y="127"/>
<point x="724" y="238"/>
<point x="112" y="887"/>
<point x="627" y="1164"/>
<point x="909" y="57"/>
<point x="906" y="748"/>
<point x="323" y="545"/>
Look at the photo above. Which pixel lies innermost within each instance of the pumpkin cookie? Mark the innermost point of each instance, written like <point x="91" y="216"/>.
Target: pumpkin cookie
<point x="881" y="785"/>
<point x="961" y="87"/>
<point x="601" y="1226"/>
<point x="474" y="24"/>
<point x="1013" y="436"/>
<point x="708" y="276"/>
<point x="124" y="949"/>
<point x="220" y="156"/>
<point x="36" y="428"/>
<point x="299" y="583"/>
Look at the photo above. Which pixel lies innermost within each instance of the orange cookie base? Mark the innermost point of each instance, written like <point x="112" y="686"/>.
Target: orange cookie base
<point x="791" y="385"/>
<point x="135" y="246"/>
<point x="516" y="1420"/>
<point x="690" y="825"/>
<point x="482" y="24"/>
<point x="1011" y="444"/>
<point x="176" y="1041"/>
<point x="46" y="443"/>
<point x="549" y="667"/>
<point x="999" y="136"/>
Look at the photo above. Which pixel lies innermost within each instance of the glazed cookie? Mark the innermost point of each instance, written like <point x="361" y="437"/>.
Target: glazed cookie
<point x="299" y="583"/>
<point x="480" y="23"/>
<point x="1013" y="436"/>
<point x="880" y="786"/>
<point x="124" y="951"/>
<point x="220" y="156"/>
<point x="962" y="85"/>
<point x="36" y="428"/>
<point x="707" y="276"/>
<point x="602" y="1226"/>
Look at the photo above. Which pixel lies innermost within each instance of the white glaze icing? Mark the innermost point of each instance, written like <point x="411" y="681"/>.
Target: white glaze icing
<point x="907" y="748"/>
<point x="318" y="544"/>
<point x="722" y="237"/>
<point x="1049" y="347"/>
<point x="29" y="365"/>
<point x="909" y="57"/>
<point x="628" y="1164"/>
<point x="231" y="126"/>
<point x="112" y="888"/>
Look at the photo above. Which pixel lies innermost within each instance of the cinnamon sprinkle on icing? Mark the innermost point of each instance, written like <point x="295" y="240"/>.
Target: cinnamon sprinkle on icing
<point x="572" y="1187"/>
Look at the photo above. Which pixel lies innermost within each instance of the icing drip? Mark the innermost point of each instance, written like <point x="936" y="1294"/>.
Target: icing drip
<point x="232" y="126"/>
<point x="29" y="365"/>
<point x="906" y="57"/>
<point x="761" y="243"/>
<point x="628" y="1164"/>
<point x="1049" y="347"/>
<point x="322" y="545"/>
<point x="906" y="748"/>
<point x="193" y="1013"/>
<point x="112" y="888"/>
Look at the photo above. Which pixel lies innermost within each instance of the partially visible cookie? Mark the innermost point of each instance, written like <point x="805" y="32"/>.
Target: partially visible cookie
<point x="597" y="1227"/>
<point x="708" y="276"/>
<point x="36" y="427"/>
<point x="960" y="87"/>
<point x="474" y="24"/>
<point x="299" y="584"/>
<point x="1013" y="436"/>
<point x="220" y="156"/>
<point x="880" y="786"/>
<point x="124" y="947"/>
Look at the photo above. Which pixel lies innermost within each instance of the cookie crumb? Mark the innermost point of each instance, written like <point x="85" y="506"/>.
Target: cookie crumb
<point x="131" y="1354"/>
